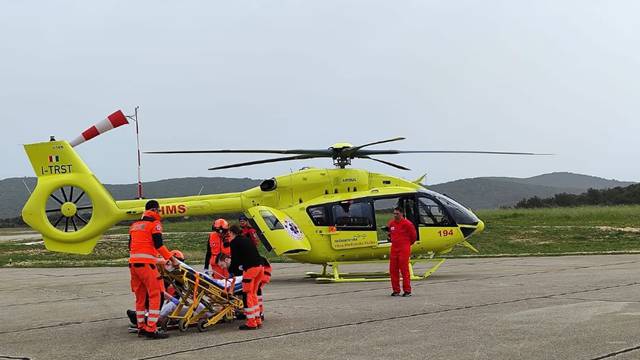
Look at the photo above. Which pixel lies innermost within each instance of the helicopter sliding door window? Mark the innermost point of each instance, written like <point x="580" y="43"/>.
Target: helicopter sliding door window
<point x="319" y="215"/>
<point x="431" y="213"/>
<point x="350" y="215"/>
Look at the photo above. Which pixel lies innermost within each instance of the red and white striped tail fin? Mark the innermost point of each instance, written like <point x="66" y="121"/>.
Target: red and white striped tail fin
<point x="111" y="122"/>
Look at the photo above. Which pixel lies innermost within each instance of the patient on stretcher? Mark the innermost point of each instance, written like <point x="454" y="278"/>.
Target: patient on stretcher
<point x="172" y="296"/>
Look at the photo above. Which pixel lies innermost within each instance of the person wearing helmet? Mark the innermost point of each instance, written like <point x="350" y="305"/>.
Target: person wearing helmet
<point x="247" y="230"/>
<point x="218" y="243"/>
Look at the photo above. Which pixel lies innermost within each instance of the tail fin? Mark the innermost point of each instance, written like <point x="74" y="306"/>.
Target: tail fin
<point x="69" y="206"/>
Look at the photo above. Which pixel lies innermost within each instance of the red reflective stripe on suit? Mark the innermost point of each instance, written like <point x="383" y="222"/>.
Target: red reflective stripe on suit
<point x="141" y="233"/>
<point x="266" y="278"/>
<point x="251" y="279"/>
<point x="146" y="282"/>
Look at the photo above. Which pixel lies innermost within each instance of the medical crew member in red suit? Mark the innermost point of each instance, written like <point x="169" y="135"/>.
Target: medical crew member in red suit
<point x="403" y="234"/>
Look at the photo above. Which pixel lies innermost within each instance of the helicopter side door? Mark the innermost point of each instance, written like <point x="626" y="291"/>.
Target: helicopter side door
<point x="384" y="213"/>
<point x="278" y="231"/>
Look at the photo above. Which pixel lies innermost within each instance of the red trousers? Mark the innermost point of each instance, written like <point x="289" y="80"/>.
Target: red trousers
<point x="266" y="278"/>
<point x="146" y="283"/>
<point x="399" y="264"/>
<point x="251" y="279"/>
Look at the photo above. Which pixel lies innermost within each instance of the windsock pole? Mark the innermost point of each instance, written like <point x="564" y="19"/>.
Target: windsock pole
<point x="139" y="162"/>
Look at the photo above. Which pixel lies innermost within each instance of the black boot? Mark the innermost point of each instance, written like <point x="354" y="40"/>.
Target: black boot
<point x="247" y="327"/>
<point x="131" y="314"/>
<point x="158" y="334"/>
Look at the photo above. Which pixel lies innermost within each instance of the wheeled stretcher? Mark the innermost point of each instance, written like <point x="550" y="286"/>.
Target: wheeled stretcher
<point x="199" y="299"/>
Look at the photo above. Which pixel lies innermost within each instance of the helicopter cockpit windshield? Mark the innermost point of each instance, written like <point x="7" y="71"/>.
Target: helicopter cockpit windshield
<point x="460" y="214"/>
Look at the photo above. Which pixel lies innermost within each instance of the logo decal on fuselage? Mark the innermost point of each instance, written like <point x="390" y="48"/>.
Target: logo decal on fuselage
<point x="292" y="229"/>
<point x="173" y="209"/>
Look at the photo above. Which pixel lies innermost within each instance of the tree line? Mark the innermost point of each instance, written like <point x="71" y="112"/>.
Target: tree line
<point x="628" y="195"/>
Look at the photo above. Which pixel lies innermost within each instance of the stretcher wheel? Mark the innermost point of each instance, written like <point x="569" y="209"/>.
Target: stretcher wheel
<point x="202" y="325"/>
<point x="183" y="325"/>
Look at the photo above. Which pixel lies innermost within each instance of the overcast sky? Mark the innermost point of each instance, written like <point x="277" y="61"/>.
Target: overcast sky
<point x="542" y="76"/>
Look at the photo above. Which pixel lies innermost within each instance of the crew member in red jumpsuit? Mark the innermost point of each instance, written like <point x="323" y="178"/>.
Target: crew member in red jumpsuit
<point x="403" y="234"/>
<point x="247" y="230"/>
<point x="145" y="244"/>
<point x="218" y="244"/>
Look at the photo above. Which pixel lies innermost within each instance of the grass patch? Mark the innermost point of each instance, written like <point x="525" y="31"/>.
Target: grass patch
<point x="589" y="229"/>
<point x="507" y="231"/>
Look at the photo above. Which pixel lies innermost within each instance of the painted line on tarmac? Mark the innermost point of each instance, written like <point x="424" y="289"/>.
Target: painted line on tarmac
<point x="616" y="353"/>
<point x="600" y="300"/>
<point x="399" y="317"/>
<point x="54" y="286"/>
<point x="62" y="324"/>
<point x="66" y="299"/>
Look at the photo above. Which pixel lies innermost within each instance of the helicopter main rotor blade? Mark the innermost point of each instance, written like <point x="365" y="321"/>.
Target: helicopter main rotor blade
<point x="393" y="152"/>
<point x="319" y="152"/>
<point x="266" y="161"/>
<point x="385" y="162"/>
<point x="356" y="148"/>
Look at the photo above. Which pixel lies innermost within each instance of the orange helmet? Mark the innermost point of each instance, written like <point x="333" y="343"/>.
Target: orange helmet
<point x="221" y="224"/>
<point x="178" y="254"/>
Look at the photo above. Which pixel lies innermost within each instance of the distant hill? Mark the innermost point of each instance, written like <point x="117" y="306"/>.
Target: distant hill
<point x="494" y="192"/>
<point x="568" y="180"/>
<point x="477" y="193"/>
<point x="629" y="195"/>
<point x="13" y="193"/>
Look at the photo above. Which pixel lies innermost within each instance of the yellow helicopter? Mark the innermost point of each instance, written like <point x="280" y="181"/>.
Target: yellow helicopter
<point x="319" y="216"/>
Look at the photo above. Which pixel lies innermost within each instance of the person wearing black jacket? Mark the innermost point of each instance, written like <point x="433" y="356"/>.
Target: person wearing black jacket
<point x="246" y="261"/>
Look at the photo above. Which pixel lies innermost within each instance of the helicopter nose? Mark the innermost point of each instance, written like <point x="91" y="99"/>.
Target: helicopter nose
<point x="480" y="227"/>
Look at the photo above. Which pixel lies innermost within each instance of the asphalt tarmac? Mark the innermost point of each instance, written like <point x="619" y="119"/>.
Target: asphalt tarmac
<point x="582" y="307"/>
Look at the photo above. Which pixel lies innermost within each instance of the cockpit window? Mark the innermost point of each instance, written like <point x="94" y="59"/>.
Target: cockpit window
<point x="460" y="214"/>
<point x="432" y="213"/>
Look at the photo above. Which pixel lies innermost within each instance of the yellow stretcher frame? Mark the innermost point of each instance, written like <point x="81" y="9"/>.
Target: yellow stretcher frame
<point x="195" y="291"/>
<point x="337" y="277"/>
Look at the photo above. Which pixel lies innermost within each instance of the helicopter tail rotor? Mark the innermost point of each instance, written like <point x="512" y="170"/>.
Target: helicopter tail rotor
<point x="69" y="206"/>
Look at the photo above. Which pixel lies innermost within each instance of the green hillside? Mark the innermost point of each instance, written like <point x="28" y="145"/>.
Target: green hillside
<point x="495" y="192"/>
<point x="629" y="195"/>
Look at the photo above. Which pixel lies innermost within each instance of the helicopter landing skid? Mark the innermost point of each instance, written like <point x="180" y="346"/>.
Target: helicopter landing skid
<point x="336" y="276"/>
